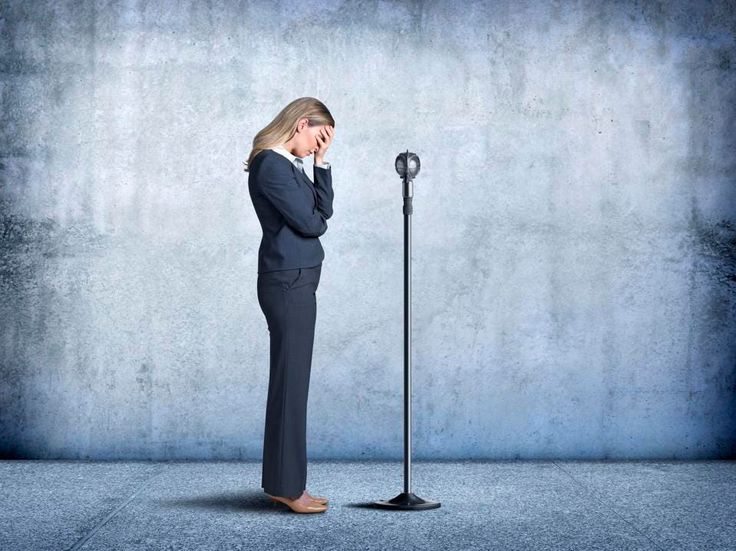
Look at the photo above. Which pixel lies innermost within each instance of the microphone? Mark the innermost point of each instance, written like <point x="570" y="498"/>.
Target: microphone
<point x="407" y="165"/>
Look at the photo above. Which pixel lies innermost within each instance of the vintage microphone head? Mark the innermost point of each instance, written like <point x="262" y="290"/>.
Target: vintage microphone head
<point x="407" y="165"/>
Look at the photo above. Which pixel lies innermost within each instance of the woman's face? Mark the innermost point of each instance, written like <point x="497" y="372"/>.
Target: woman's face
<point x="305" y="140"/>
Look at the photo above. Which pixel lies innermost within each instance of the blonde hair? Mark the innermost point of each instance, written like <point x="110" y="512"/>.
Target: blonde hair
<point x="283" y="126"/>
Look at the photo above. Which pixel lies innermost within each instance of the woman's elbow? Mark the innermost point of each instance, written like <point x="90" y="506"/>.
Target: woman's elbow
<point x="314" y="230"/>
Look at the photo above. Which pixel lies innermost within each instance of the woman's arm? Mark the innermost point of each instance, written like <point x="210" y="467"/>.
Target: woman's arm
<point x="279" y="184"/>
<point x="323" y="187"/>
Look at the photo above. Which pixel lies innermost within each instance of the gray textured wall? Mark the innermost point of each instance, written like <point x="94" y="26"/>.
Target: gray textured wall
<point x="574" y="264"/>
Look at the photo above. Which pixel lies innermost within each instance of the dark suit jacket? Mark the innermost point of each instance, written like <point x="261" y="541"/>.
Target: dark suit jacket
<point x="292" y="211"/>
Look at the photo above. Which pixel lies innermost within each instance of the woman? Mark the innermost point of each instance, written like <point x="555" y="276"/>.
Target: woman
<point x="293" y="212"/>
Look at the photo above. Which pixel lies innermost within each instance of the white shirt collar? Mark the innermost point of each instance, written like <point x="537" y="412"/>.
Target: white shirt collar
<point x="283" y="151"/>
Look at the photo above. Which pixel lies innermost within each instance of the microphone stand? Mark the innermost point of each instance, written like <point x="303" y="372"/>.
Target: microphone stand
<point x="407" y="165"/>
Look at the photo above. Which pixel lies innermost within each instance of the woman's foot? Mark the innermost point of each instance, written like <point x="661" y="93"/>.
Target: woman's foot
<point x="322" y="500"/>
<point x="301" y="504"/>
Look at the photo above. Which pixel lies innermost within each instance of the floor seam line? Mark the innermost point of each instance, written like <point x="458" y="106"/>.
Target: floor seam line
<point x="84" y="539"/>
<point x="591" y="492"/>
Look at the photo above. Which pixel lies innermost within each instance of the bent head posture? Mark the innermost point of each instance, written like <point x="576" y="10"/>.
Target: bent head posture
<point x="304" y="127"/>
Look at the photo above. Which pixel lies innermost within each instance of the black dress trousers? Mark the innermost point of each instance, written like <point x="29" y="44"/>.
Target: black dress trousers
<point x="289" y="302"/>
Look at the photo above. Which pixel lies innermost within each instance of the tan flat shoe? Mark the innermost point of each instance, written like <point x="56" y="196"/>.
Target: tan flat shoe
<point x="322" y="500"/>
<point x="298" y="507"/>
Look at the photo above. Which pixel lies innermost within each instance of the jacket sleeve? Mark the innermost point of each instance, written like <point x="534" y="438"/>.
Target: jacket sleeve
<point x="281" y="188"/>
<point x="323" y="187"/>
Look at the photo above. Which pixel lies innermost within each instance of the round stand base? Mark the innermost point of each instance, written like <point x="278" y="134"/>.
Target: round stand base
<point x="407" y="501"/>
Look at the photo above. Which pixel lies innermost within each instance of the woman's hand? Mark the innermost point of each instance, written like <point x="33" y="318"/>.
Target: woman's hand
<point x="324" y="139"/>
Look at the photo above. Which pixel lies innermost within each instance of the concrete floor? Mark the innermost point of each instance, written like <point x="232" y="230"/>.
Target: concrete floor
<point x="529" y="505"/>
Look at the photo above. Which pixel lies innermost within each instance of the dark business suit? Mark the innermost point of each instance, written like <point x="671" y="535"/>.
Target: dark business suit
<point x="293" y="213"/>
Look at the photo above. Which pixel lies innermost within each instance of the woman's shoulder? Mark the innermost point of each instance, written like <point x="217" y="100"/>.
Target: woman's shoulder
<point x="268" y="165"/>
<point x="268" y="157"/>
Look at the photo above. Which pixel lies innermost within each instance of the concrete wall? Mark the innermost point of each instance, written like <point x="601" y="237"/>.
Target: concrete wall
<point x="574" y="242"/>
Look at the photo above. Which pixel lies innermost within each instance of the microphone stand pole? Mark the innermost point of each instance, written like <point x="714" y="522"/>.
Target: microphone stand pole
<point x="407" y="165"/>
